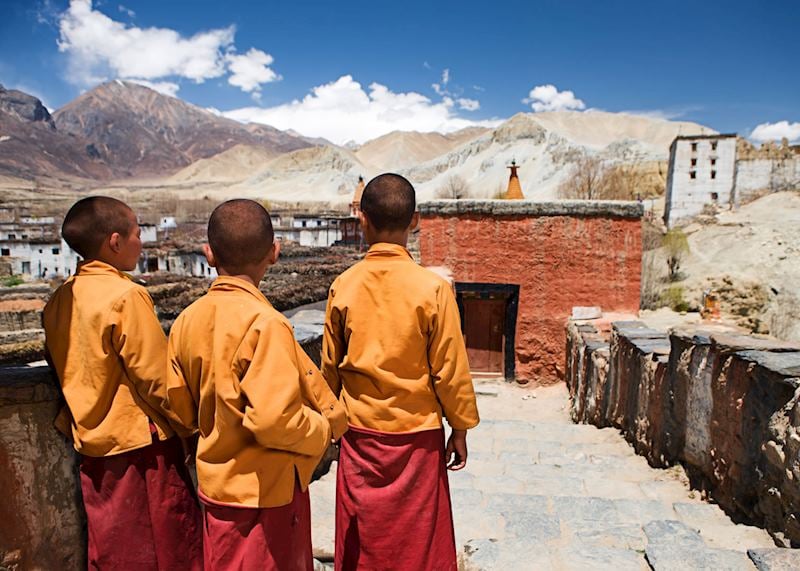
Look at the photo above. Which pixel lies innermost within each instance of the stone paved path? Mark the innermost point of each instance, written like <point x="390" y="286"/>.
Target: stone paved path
<point x="540" y="492"/>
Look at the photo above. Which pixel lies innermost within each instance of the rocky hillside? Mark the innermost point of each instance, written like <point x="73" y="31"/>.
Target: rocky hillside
<point x="139" y="132"/>
<point x="31" y="146"/>
<point x="400" y="150"/>
<point x="545" y="145"/>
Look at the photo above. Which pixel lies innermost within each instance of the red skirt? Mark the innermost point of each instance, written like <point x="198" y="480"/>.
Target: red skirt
<point x="141" y="510"/>
<point x="250" y="539"/>
<point x="393" y="502"/>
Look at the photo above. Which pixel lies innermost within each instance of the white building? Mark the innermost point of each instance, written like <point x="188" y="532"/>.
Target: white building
<point x="701" y="172"/>
<point x="39" y="258"/>
<point x="149" y="233"/>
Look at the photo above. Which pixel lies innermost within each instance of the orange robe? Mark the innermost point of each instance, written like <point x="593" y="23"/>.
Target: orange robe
<point x="109" y="353"/>
<point x="394" y="352"/>
<point x="265" y="417"/>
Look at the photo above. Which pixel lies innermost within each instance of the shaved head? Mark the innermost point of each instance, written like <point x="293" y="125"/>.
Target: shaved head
<point x="92" y="220"/>
<point x="240" y="233"/>
<point x="389" y="202"/>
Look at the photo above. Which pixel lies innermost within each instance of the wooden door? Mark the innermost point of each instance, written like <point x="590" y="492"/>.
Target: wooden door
<point x="484" y="325"/>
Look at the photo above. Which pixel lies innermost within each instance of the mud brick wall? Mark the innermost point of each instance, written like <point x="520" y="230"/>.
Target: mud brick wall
<point x="20" y="320"/>
<point x="561" y="254"/>
<point x="727" y="407"/>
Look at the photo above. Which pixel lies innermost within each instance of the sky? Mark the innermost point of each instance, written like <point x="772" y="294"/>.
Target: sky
<point x="354" y="70"/>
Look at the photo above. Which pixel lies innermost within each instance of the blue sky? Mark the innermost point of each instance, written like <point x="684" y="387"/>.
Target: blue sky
<point x="354" y="70"/>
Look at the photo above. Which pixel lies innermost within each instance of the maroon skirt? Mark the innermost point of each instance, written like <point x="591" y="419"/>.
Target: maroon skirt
<point x="142" y="510"/>
<point x="250" y="539"/>
<point x="393" y="502"/>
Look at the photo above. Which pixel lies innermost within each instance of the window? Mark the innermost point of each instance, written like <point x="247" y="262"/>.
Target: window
<point x="713" y="145"/>
<point x="714" y="196"/>
<point x="694" y="162"/>
<point x="694" y="147"/>
<point x="40" y="250"/>
<point x="713" y="162"/>
<point x="713" y="175"/>
<point x="304" y="223"/>
<point x="5" y="252"/>
<point x="319" y="222"/>
<point x="24" y="236"/>
<point x="12" y="236"/>
<point x="692" y="175"/>
<point x="56" y="250"/>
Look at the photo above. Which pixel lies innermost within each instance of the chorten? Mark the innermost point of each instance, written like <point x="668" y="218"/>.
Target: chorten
<point x="514" y="191"/>
<point x="355" y="206"/>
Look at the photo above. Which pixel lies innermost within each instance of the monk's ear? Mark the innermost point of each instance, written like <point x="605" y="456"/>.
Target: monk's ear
<point x="363" y="220"/>
<point x="414" y="222"/>
<point x="115" y="242"/>
<point x="210" y="258"/>
<point x="275" y="252"/>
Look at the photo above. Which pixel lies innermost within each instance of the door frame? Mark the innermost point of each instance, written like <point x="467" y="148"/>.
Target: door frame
<point x="511" y="294"/>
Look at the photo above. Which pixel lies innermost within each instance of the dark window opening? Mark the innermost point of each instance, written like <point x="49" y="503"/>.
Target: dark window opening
<point x="694" y="162"/>
<point x="692" y="175"/>
<point x="5" y="252"/>
<point x="694" y="147"/>
<point x="56" y="250"/>
<point x="713" y="145"/>
<point x="714" y="196"/>
<point x="12" y="236"/>
<point x="713" y="175"/>
<point x="713" y="162"/>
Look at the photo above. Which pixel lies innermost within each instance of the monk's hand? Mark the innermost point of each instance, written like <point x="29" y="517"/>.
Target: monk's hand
<point x="455" y="454"/>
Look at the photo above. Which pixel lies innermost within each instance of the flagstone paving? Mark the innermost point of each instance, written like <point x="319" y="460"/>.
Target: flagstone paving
<point x="540" y="492"/>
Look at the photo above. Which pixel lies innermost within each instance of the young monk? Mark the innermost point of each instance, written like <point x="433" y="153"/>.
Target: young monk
<point x="394" y="352"/>
<point x="109" y="353"/>
<point x="264" y="411"/>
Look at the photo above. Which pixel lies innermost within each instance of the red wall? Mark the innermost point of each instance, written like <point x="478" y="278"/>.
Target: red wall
<point x="558" y="261"/>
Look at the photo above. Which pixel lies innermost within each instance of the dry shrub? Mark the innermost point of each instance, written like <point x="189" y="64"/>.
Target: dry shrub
<point x="455" y="187"/>
<point x="592" y="179"/>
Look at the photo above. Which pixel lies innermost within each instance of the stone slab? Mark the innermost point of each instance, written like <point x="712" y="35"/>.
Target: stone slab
<point x="775" y="559"/>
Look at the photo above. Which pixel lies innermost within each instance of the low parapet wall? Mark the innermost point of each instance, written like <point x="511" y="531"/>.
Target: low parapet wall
<point x="725" y="406"/>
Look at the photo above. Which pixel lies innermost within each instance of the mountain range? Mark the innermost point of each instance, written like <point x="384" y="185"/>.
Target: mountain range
<point x="121" y="134"/>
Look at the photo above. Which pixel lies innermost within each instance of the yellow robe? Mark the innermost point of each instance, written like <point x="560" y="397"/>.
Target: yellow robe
<point x="263" y="409"/>
<point x="109" y="352"/>
<point x="393" y="347"/>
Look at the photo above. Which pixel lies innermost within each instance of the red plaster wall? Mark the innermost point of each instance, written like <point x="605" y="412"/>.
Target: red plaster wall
<point x="558" y="261"/>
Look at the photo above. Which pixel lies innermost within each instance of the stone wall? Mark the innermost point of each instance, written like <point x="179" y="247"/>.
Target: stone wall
<point x="560" y="254"/>
<point x="725" y="406"/>
<point x="41" y="523"/>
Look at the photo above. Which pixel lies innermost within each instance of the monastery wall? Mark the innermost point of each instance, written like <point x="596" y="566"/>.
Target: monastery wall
<point x="560" y="254"/>
<point x="726" y="407"/>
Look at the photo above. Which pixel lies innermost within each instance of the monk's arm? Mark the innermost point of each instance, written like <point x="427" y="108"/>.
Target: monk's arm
<point x="180" y="398"/>
<point x="275" y="412"/>
<point x="142" y="346"/>
<point x="447" y="357"/>
<point x="333" y="347"/>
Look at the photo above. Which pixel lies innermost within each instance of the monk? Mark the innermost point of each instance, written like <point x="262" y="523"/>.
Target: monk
<point x="109" y="353"/>
<point x="263" y="409"/>
<point x="393" y="351"/>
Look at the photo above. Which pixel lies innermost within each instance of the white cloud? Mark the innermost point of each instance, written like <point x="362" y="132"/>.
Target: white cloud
<point x="343" y="110"/>
<point x="99" y="48"/>
<point x="445" y="77"/>
<point x="250" y="70"/>
<point x="776" y="131"/>
<point x="165" y="87"/>
<point x="469" y="104"/>
<point x="478" y="88"/>
<point x="549" y="98"/>
<point x="126" y="10"/>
